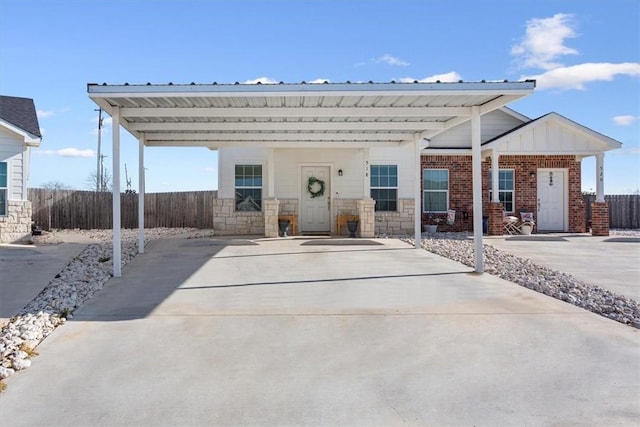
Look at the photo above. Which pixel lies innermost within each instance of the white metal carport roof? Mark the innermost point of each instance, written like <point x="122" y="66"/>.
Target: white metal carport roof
<point x="329" y="115"/>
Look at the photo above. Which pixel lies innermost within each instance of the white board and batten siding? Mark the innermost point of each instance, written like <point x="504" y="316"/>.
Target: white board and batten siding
<point x="493" y="124"/>
<point x="15" y="154"/>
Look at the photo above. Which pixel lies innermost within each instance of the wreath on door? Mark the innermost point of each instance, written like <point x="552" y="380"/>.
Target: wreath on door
<point x="315" y="187"/>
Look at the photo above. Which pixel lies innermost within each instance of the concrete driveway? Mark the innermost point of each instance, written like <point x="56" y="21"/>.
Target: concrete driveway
<point x="611" y="262"/>
<point x="325" y="332"/>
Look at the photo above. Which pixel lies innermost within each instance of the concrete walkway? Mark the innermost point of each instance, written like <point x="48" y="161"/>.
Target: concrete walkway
<point x="26" y="269"/>
<point x="326" y="332"/>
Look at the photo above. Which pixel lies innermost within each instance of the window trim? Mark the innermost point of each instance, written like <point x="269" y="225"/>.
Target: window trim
<point x="424" y="191"/>
<point x="260" y="187"/>
<point x="512" y="191"/>
<point x="396" y="187"/>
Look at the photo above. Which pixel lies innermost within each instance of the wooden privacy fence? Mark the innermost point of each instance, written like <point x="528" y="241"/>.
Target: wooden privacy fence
<point x="624" y="210"/>
<point x="69" y="209"/>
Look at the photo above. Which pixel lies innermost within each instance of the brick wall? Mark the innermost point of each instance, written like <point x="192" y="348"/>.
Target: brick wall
<point x="526" y="196"/>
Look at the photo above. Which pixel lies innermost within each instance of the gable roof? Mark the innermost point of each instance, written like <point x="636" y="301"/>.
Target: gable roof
<point x="570" y="138"/>
<point x="21" y="113"/>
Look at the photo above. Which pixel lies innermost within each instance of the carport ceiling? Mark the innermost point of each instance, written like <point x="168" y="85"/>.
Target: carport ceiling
<point x="298" y="115"/>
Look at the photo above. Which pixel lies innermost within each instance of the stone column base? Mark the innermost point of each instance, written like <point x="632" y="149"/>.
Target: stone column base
<point x="270" y="208"/>
<point x="496" y="214"/>
<point x="599" y="219"/>
<point x="366" y="212"/>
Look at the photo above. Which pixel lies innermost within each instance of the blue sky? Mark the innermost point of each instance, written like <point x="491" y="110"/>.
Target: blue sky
<point x="585" y="55"/>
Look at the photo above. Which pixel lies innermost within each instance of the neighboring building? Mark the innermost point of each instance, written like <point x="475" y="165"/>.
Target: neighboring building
<point x="19" y="131"/>
<point x="316" y="153"/>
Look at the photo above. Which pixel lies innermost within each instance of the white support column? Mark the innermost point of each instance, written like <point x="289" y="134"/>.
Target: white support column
<point x="600" y="178"/>
<point x="417" y="195"/>
<point x="271" y="173"/>
<point x="495" y="177"/>
<point x="141" y="193"/>
<point x="476" y="160"/>
<point x="117" y="248"/>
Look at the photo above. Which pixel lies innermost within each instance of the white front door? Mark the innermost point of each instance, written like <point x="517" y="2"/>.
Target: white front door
<point x="315" y="211"/>
<point x="551" y="200"/>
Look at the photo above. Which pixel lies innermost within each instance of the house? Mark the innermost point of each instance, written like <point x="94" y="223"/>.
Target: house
<point x="19" y="132"/>
<point x="393" y="154"/>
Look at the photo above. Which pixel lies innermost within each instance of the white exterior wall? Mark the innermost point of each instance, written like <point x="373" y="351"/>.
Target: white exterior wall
<point x="550" y="137"/>
<point x="493" y="124"/>
<point x="14" y="152"/>
<point x="287" y="162"/>
<point x="403" y="156"/>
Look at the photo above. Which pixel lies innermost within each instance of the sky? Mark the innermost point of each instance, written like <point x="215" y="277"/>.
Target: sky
<point x="584" y="54"/>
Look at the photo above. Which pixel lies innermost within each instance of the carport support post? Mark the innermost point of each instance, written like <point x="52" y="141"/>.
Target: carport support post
<point x="476" y="160"/>
<point x="141" y="191"/>
<point x="117" y="249"/>
<point x="417" y="195"/>
<point x="600" y="178"/>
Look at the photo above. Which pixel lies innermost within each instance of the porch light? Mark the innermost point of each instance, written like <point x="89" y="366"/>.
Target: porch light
<point x="339" y="172"/>
<point x="532" y="174"/>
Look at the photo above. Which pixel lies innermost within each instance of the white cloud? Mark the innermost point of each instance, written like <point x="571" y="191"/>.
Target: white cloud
<point x="318" y="81"/>
<point x="390" y="60"/>
<point x="42" y="114"/>
<point x="544" y="40"/>
<point x="576" y="76"/>
<point x="67" y="152"/>
<point x="261" y="80"/>
<point x="451" y="76"/>
<point x="209" y="169"/>
<point x="625" y="120"/>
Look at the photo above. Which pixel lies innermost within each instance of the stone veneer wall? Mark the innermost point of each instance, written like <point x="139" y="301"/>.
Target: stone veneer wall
<point x="345" y="206"/>
<point x="366" y="214"/>
<point x="16" y="225"/>
<point x="288" y="207"/>
<point x="229" y="222"/>
<point x="397" y="223"/>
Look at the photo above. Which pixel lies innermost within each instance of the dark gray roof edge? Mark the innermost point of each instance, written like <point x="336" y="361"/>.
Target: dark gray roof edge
<point x="325" y="87"/>
<point x="20" y="112"/>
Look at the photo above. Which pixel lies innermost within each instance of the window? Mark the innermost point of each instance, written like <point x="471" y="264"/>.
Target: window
<point x="248" y="188"/>
<point x="384" y="187"/>
<point x="3" y="188"/>
<point x="505" y="188"/>
<point x="435" y="184"/>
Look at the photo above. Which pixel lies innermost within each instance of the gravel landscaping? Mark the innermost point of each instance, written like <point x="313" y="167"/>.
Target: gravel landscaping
<point x="92" y="268"/>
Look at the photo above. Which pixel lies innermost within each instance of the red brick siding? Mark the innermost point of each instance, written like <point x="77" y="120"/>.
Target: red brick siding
<point x="526" y="193"/>
<point x="600" y="219"/>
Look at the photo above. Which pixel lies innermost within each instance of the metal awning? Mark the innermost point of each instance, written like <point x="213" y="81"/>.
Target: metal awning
<point x="285" y="115"/>
<point x="328" y="115"/>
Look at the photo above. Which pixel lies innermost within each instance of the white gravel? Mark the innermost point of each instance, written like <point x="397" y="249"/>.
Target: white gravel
<point x="91" y="269"/>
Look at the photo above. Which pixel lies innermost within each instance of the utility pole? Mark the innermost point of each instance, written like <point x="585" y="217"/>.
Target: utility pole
<point x="98" y="166"/>
<point x="102" y="183"/>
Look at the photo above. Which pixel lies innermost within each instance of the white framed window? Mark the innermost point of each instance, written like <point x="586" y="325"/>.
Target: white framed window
<point x="3" y="188"/>
<point x="435" y="190"/>
<point x="248" y="188"/>
<point x="505" y="188"/>
<point x="384" y="187"/>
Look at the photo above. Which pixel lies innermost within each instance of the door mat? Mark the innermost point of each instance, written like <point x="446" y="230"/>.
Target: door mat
<point x="536" y="239"/>
<point x="341" y="242"/>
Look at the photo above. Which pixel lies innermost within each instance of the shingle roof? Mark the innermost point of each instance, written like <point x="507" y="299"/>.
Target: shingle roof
<point x="20" y="112"/>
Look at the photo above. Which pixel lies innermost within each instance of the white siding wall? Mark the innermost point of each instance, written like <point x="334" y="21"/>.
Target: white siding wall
<point x="288" y="161"/>
<point x="403" y="156"/>
<point x="493" y="124"/>
<point x="14" y="152"/>
<point x="550" y="137"/>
